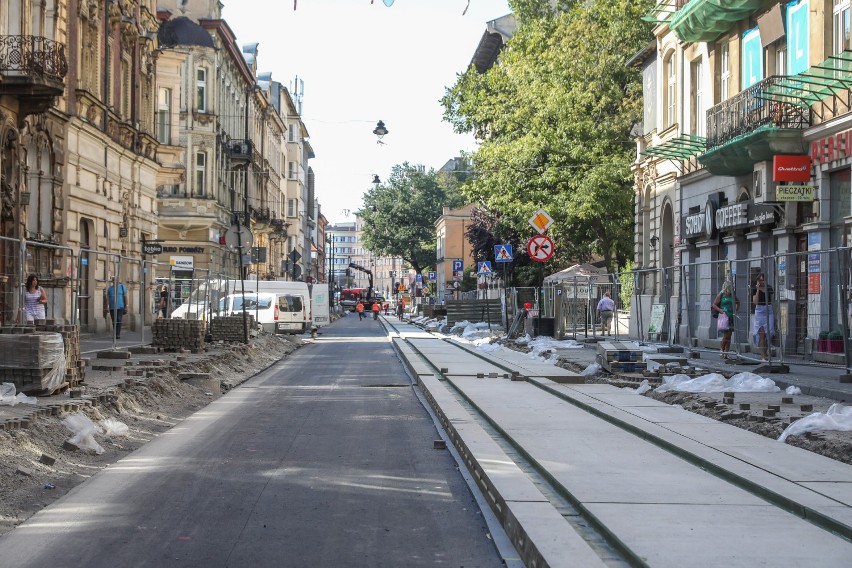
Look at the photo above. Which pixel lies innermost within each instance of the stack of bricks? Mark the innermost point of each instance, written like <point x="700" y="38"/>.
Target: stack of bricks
<point x="177" y="334"/>
<point x="26" y="352"/>
<point x="230" y="328"/>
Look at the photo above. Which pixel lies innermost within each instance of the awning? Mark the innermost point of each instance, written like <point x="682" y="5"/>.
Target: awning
<point x="680" y="147"/>
<point x="815" y="84"/>
<point x="705" y="20"/>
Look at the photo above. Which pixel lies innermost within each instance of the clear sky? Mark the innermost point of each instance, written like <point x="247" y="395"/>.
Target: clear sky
<point x="362" y="63"/>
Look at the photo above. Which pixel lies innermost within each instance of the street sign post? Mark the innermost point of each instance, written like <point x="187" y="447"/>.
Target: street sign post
<point x="503" y="253"/>
<point x="540" y="221"/>
<point x="484" y="268"/>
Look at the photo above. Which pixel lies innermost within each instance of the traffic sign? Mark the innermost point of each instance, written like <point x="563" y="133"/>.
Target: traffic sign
<point x="540" y="221"/>
<point x="503" y="253"/>
<point x="234" y="238"/>
<point x="433" y="276"/>
<point x="484" y="268"/>
<point x="458" y="266"/>
<point x="540" y="248"/>
<point x="418" y="278"/>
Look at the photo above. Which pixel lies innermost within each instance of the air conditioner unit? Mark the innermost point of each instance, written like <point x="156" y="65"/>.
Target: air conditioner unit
<point x="763" y="188"/>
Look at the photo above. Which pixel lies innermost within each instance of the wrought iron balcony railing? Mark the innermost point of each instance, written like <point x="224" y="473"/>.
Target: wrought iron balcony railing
<point x="748" y="111"/>
<point x="33" y="56"/>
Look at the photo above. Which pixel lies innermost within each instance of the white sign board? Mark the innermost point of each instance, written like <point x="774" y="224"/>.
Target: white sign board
<point x="181" y="262"/>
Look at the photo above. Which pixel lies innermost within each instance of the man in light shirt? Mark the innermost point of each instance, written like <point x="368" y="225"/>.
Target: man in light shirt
<point x="606" y="308"/>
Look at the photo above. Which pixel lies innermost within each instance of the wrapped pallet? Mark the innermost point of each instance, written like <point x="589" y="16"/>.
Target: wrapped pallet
<point x="34" y="362"/>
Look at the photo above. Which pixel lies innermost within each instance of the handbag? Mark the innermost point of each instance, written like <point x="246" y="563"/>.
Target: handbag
<point x="722" y="323"/>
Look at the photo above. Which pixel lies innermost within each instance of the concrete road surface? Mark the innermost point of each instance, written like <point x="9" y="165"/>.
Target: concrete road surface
<point x="325" y="459"/>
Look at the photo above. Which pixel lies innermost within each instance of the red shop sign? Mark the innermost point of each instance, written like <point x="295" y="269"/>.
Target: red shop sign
<point x="831" y="148"/>
<point x="791" y="168"/>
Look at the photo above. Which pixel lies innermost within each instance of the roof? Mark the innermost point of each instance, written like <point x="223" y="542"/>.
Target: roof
<point x="183" y="31"/>
<point x="582" y="272"/>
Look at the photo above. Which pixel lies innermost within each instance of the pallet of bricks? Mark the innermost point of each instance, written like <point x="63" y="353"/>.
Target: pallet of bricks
<point x="617" y="357"/>
<point x="29" y="356"/>
<point x="230" y="328"/>
<point x="178" y="334"/>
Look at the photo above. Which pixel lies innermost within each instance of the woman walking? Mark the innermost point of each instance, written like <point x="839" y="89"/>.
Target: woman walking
<point x="35" y="300"/>
<point x="726" y="305"/>
<point x="764" y="318"/>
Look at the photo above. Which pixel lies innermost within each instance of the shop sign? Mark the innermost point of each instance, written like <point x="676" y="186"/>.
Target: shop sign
<point x="732" y="216"/>
<point x="795" y="192"/>
<point x="188" y="250"/>
<point x="791" y="168"/>
<point x="831" y="148"/>
<point x="181" y="262"/>
<point x="761" y="215"/>
<point x="700" y="224"/>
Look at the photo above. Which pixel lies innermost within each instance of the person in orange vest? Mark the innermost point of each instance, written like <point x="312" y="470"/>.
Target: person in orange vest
<point x="360" y="309"/>
<point x="376" y="309"/>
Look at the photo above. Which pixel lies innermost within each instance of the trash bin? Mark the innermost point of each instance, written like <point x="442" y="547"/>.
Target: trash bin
<point x="545" y="326"/>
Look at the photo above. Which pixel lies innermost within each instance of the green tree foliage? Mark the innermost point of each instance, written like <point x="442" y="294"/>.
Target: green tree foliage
<point x="554" y="118"/>
<point x="399" y="216"/>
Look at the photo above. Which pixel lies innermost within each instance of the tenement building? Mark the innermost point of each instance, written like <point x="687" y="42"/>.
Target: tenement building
<point x="743" y="167"/>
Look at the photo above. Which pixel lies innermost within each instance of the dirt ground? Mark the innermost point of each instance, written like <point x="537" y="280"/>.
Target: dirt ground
<point x="148" y="406"/>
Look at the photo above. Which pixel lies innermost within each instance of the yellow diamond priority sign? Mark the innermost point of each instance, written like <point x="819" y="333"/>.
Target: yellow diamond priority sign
<point x="540" y="221"/>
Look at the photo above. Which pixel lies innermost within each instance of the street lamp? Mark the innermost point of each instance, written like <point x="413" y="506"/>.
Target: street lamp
<point x="380" y="131"/>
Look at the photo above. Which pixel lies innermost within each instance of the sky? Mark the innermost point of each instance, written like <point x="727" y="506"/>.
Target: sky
<point x="361" y="63"/>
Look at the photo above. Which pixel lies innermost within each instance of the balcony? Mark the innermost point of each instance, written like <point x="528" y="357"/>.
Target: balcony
<point x="706" y="20"/>
<point x="240" y="150"/>
<point x="34" y="69"/>
<point x="750" y="128"/>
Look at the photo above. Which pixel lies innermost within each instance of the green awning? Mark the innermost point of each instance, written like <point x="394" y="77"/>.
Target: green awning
<point x="680" y="147"/>
<point x="660" y="13"/>
<point x="815" y="84"/>
<point x="705" y="20"/>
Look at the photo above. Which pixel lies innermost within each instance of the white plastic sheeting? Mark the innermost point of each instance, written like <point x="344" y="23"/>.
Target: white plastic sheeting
<point x="9" y="398"/>
<point x="837" y="417"/>
<point x="714" y="382"/>
<point x="84" y="431"/>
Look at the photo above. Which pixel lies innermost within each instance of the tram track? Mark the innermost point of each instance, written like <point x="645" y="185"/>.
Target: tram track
<point x="747" y="481"/>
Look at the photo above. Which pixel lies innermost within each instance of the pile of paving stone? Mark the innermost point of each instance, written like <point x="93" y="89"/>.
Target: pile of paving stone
<point x="177" y="334"/>
<point x="28" y="355"/>
<point x="232" y="328"/>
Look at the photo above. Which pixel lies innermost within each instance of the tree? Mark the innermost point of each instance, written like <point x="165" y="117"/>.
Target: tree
<point x="399" y="216"/>
<point x="554" y="118"/>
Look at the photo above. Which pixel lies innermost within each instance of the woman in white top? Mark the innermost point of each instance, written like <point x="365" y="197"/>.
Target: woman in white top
<point x="35" y="300"/>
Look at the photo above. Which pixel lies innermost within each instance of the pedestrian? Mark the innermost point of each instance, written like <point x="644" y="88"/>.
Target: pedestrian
<point x="35" y="300"/>
<point x="117" y="303"/>
<point x="606" y="308"/>
<point x="359" y="307"/>
<point x="400" y="309"/>
<point x="164" y="301"/>
<point x="376" y="309"/>
<point x="387" y="308"/>
<point x="725" y="306"/>
<point x="763" y="330"/>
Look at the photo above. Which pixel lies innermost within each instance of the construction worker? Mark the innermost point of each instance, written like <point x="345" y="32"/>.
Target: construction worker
<point x="376" y="309"/>
<point x="359" y="307"/>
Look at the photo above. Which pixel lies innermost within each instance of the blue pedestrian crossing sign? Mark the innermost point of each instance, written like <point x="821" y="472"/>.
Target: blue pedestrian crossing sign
<point x="503" y="253"/>
<point x="433" y="276"/>
<point x="484" y="268"/>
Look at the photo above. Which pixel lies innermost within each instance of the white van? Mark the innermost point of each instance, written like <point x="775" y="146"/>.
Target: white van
<point x="261" y="306"/>
<point x="292" y="313"/>
<point x="195" y="307"/>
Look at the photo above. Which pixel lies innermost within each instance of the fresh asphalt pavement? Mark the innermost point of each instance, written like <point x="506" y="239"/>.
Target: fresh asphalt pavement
<point x="324" y="459"/>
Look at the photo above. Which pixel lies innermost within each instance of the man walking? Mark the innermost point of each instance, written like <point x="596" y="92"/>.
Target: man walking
<point x="117" y="302"/>
<point x="606" y="308"/>
<point x="360" y="309"/>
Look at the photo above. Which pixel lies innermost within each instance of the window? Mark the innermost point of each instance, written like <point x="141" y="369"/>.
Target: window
<point x="697" y="102"/>
<point x="291" y="207"/>
<point x="291" y="137"/>
<point x="291" y="170"/>
<point x="164" y="103"/>
<point x="725" y="79"/>
<point x="200" y="171"/>
<point x="201" y="90"/>
<point x="671" y="91"/>
<point x="781" y="58"/>
<point x="841" y="25"/>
